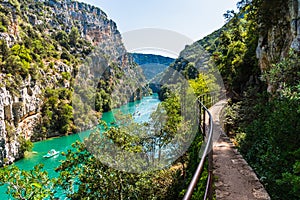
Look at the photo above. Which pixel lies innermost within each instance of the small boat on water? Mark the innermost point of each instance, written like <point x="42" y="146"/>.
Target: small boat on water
<point x="51" y="153"/>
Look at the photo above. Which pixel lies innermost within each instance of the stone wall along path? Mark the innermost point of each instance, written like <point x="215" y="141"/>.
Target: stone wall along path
<point x="235" y="179"/>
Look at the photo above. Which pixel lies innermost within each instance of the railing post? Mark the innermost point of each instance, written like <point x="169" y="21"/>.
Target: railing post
<point x="210" y="167"/>
<point x="209" y="192"/>
<point x="203" y="124"/>
<point x="210" y="172"/>
<point x="206" y="153"/>
<point x="200" y="117"/>
<point x="204" y="101"/>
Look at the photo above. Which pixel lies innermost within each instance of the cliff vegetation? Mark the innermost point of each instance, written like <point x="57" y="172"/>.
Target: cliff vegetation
<point x="44" y="48"/>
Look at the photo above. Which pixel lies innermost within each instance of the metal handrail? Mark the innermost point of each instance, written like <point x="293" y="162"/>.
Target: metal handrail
<point x="207" y="151"/>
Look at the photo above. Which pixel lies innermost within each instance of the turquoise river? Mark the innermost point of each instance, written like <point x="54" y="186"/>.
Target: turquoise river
<point x="140" y="110"/>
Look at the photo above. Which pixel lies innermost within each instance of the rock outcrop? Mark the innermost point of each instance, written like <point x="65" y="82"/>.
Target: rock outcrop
<point x="279" y="33"/>
<point x="51" y="23"/>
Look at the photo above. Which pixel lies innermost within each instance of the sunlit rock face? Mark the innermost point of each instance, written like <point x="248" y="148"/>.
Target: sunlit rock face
<point x="279" y="33"/>
<point x="295" y="23"/>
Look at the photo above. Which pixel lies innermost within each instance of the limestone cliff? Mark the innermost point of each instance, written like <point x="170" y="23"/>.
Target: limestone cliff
<point x="43" y="44"/>
<point x="279" y="32"/>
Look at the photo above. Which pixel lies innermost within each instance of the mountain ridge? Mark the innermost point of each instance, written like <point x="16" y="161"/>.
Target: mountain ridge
<point x="152" y="64"/>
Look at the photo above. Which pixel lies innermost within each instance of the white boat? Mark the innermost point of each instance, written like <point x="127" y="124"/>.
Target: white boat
<point x="51" y="153"/>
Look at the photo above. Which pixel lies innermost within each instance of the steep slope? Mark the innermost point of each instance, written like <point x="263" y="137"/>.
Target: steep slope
<point x="264" y="120"/>
<point x="257" y="54"/>
<point x="194" y="66"/>
<point x="43" y="47"/>
<point x="227" y="52"/>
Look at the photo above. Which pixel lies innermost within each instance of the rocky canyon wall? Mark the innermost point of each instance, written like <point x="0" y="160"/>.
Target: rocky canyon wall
<point x="22" y="98"/>
<point x="279" y="32"/>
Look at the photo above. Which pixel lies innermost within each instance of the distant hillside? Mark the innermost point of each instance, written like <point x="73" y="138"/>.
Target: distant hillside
<point x="152" y="64"/>
<point x="193" y="59"/>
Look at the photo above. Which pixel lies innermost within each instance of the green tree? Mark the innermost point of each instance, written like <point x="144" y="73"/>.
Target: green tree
<point x="63" y="39"/>
<point x="203" y="84"/>
<point x="25" y="145"/>
<point x="267" y="128"/>
<point x="65" y="116"/>
<point x="18" y="60"/>
<point x="83" y="174"/>
<point x="74" y="36"/>
<point x="235" y="54"/>
<point x="27" y="185"/>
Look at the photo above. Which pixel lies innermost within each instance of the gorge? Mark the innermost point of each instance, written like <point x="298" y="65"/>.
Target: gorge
<point x="64" y="143"/>
<point x="45" y="45"/>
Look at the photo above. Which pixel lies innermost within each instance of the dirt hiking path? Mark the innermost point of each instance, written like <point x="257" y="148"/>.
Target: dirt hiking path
<point x="235" y="179"/>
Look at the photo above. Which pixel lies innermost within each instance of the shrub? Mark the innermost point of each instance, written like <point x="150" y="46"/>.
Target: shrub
<point x="25" y="145"/>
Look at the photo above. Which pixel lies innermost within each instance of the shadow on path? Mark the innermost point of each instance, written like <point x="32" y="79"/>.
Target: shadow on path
<point x="235" y="179"/>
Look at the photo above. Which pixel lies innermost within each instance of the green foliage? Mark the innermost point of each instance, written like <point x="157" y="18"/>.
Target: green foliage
<point x="31" y="59"/>
<point x="204" y="84"/>
<point x="4" y="22"/>
<point x="16" y="4"/>
<point x="98" y="102"/>
<point x="172" y="108"/>
<point x="18" y="61"/>
<point x="62" y="38"/>
<point x="57" y="112"/>
<point x="232" y="116"/>
<point x="177" y="102"/>
<point x="74" y="36"/>
<point x="34" y="184"/>
<point x="169" y="129"/>
<point x="66" y="76"/>
<point x="84" y="173"/>
<point x="25" y="145"/>
<point x="65" y="116"/>
<point x="193" y="159"/>
<point x="269" y="142"/>
<point x="190" y="71"/>
<point x="3" y="50"/>
<point x="235" y="54"/>
<point x="267" y="128"/>
<point x="284" y="76"/>
<point x="22" y="52"/>
<point x="9" y="131"/>
<point x="269" y="11"/>
<point x="291" y="181"/>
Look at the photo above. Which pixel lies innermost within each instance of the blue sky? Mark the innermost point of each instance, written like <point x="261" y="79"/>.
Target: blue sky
<point x="192" y="18"/>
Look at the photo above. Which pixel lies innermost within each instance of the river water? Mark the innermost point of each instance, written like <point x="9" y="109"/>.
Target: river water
<point x="141" y="111"/>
